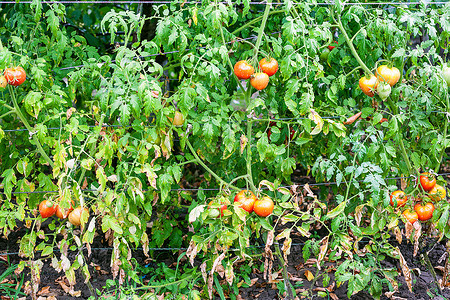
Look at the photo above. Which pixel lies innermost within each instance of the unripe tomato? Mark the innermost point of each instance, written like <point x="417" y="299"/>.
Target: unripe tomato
<point x="15" y="76"/>
<point x="446" y="74"/>
<point x="75" y="215"/>
<point x="424" y="212"/>
<point x="438" y="193"/>
<point x="368" y="85"/>
<point x="427" y="181"/>
<point x="268" y="66"/>
<point x="383" y="90"/>
<point x="47" y="208"/>
<point x="411" y="216"/>
<point x="3" y="81"/>
<point x="246" y="199"/>
<point x="263" y="207"/>
<point x="400" y="197"/>
<point x="259" y="81"/>
<point x="243" y="69"/>
<point x="324" y="55"/>
<point x="388" y="75"/>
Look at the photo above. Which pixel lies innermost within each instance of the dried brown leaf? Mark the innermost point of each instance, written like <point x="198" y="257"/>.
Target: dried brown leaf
<point x="398" y="234"/>
<point x="217" y="261"/>
<point x="309" y="275"/>
<point x="323" y="250"/>
<point x="243" y="142"/>
<point x="405" y="270"/>
<point x="44" y="291"/>
<point x="417" y="235"/>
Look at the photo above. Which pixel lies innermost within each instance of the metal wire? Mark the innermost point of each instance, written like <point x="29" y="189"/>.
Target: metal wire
<point x="216" y="189"/>
<point x="199" y="2"/>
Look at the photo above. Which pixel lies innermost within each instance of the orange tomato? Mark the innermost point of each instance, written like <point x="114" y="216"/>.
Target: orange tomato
<point x="259" y="81"/>
<point x="368" y="85"/>
<point x="427" y="181"/>
<point x="411" y="216"/>
<point x="424" y="212"/>
<point x="246" y="199"/>
<point x="263" y="207"/>
<point x="400" y="197"/>
<point x="438" y="193"/>
<point x="389" y="75"/>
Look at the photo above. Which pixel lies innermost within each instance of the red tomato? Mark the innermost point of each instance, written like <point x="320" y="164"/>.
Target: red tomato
<point x="411" y="216"/>
<point x="389" y="75"/>
<point x="47" y="208"/>
<point x="400" y="198"/>
<point x="246" y="199"/>
<point x="427" y="181"/>
<point x="15" y="76"/>
<point x="424" y="212"/>
<point x="243" y="69"/>
<point x="263" y="207"/>
<point x="268" y="66"/>
<point x="332" y="47"/>
<point x="368" y="85"/>
<point x="259" y="81"/>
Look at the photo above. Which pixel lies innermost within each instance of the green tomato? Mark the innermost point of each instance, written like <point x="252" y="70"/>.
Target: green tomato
<point x="383" y="90"/>
<point x="446" y="74"/>
<point x="324" y="54"/>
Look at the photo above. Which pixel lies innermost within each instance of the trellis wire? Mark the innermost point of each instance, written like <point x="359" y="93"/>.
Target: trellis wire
<point x="199" y="2"/>
<point x="217" y="189"/>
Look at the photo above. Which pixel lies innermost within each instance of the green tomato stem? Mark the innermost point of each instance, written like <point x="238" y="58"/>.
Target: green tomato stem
<point x="255" y="21"/>
<point x="350" y="45"/>
<point x="27" y="125"/>
<point x="261" y="29"/>
<point x="447" y="115"/>
<point x="200" y="162"/>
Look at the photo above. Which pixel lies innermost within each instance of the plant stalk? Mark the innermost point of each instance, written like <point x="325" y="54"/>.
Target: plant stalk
<point x="30" y="129"/>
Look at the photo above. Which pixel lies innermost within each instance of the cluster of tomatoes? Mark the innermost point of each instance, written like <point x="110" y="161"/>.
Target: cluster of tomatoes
<point x="13" y="76"/>
<point x="385" y="78"/>
<point x="250" y="203"/>
<point x="259" y="80"/>
<point x="423" y="210"/>
<point x="47" y="209"/>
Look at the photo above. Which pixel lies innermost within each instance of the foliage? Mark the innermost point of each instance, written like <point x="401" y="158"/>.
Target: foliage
<point x="99" y="105"/>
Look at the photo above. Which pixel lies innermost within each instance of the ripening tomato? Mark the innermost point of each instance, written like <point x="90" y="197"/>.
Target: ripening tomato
<point x="368" y="85"/>
<point x="243" y="70"/>
<point x="411" y="216"/>
<point x="263" y="207"/>
<point x="259" y="81"/>
<point x="400" y="197"/>
<point x="427" y="181"/>
<point x="388" y="75"/>
<point x="246" y="199"/>
<point x="15" y="76"/>
<point x="76" y="214"/>
<point x="222" y="207"/>
<point x="424" y="212"/>
<point x="438" y="193"/>
<point x="47" y="208"/>
<point x="269" y="66"/>
<point x="3" y="81"/>
<point x="178" y="119"/>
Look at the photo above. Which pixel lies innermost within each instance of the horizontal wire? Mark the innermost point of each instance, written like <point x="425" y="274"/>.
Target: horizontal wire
<point x="199" y="2"/>
<point x="217" y="189"/>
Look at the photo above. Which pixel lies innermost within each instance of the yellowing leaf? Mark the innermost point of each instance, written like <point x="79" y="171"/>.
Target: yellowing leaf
<point x="309" y="276"/>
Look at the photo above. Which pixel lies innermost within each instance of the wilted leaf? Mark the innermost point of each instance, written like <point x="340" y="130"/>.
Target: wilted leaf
<point x="309" y="276"/>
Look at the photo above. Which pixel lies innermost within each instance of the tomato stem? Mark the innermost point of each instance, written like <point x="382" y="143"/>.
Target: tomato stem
<point x="255" y="20"/>
<point x="7" y="113"/>
<point x="350" y="44"/>
<point x="261" y="29"/>
<point x="27" y="125"/>
<point x="200" y="162"/>
<point x="447" y="115"/>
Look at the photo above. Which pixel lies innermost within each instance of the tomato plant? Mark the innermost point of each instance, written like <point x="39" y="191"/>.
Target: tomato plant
<point x="15" y="76"/>
<point x="246" y="200"/>
<point x="47" y="208"/>
<point x="269" y="66"/>
<point x="259" y="80"/>
<point x="368" y="84"/>
<point x="263" y="207"/>
<point x="243" y="70"/>
<point x="388" y="75"/>
<point x="400" y="198"/>
<point x="424" y="212"/>
<point x="427" y="181"/>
